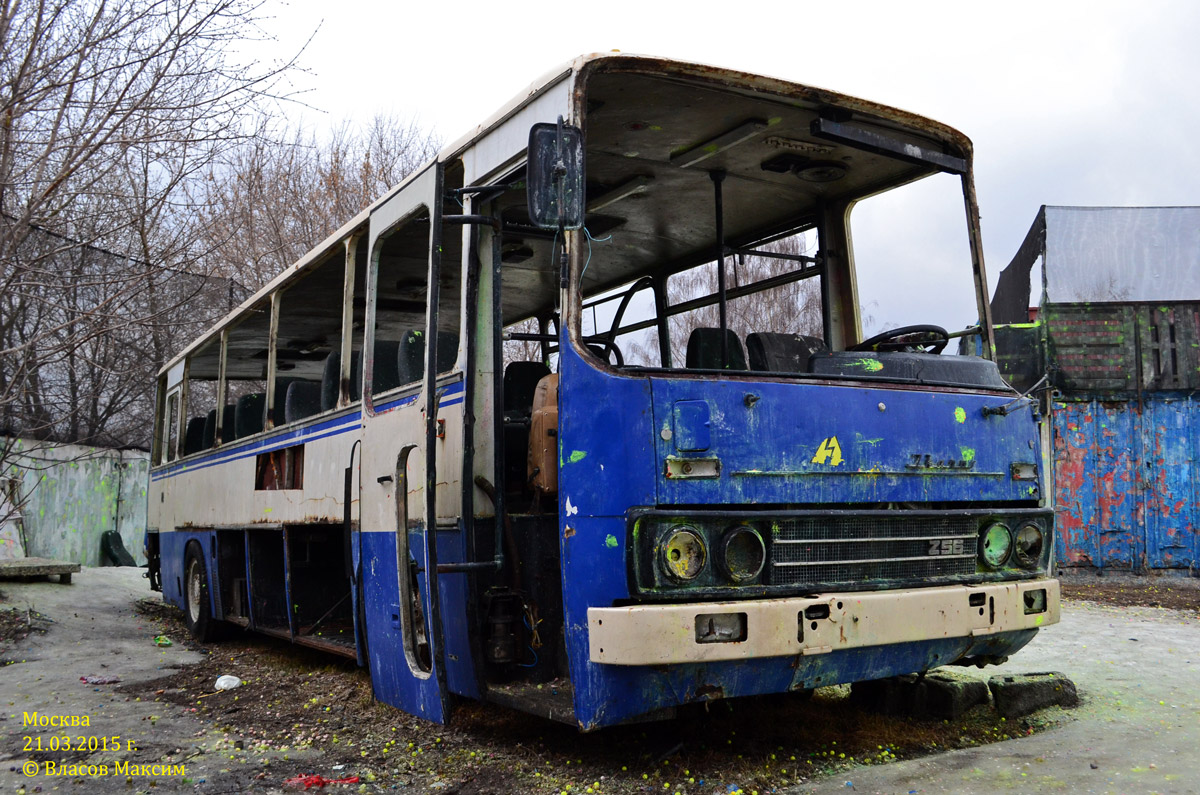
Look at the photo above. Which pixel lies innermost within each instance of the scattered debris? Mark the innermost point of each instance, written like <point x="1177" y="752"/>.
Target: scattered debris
<point x="17" y="624"/>
<point x="309" y="782"/>
<point x="99" y="680"/>
<point x="162" y="640"/>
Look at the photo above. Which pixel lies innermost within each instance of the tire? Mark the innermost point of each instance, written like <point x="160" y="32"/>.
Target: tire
<point x="195" y="597"/>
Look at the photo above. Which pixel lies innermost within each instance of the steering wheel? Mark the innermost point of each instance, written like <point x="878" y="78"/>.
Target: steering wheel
<point x="606" y="349"/>
<point x="925" y="338"/>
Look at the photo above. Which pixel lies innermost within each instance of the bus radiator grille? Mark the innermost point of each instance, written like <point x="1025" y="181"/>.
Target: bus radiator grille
<point x="834" y="551"/>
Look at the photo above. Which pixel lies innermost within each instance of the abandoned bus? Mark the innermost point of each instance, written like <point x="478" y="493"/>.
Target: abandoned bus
<point x="590" y="399"/>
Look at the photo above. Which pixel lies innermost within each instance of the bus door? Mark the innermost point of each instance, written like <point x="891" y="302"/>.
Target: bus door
<point x="399" y="449"/>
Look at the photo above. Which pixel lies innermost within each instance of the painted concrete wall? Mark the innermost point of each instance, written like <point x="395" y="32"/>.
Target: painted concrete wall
<point x="70" y="495"/>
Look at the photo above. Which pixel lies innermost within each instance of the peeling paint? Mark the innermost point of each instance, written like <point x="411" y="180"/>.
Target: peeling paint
<point x="577" y="456"/>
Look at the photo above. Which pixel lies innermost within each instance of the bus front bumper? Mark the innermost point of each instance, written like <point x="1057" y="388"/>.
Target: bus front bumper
<point x="714" y="631"/>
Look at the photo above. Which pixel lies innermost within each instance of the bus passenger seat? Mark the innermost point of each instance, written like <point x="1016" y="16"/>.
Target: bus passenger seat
<point x="210" y="425"/>
<point x="410" y="356"/>
<point x="248" y="416"/>
<point x="329" y="381"/>
<point x="193" y="437"/>
<point x="704" y="350"/>
<point x="772" y="352"/>
<point x="303" y="399"/>
<point x="386" y="374"/>
<point x="331" y="375"/>
<point x="447" y="352"/>
<point x="542" y="469"/>
<point x="520" y="383"/>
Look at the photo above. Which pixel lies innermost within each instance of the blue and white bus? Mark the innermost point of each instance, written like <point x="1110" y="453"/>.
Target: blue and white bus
<point x="590" y="399"/>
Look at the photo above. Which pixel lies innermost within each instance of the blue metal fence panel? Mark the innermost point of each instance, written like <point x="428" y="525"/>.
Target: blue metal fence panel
<point x="1126" y="482"/>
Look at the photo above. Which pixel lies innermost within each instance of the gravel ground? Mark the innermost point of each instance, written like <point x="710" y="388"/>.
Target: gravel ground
<point x="300" y="712"/>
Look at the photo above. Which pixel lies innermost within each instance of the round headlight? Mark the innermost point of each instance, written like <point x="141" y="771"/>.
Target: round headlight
<point x="1028" y="548"/>
<point x="683" y="553"/>
<point x="995" y="545"/>
<point x="742" y="553"/>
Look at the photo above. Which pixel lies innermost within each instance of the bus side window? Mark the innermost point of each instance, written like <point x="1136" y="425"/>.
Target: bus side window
<point x="309" y="342"/>
<point x="203" y="370"/>
<point x="172" y="418"/>
<point x="398" y="355"/>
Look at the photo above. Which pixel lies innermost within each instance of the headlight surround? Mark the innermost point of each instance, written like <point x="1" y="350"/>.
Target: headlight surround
<point x="683" y="553"/>
<point x="995" y="545"/>
<point x="742" y="554"/>
<point x="1028" y="546"/>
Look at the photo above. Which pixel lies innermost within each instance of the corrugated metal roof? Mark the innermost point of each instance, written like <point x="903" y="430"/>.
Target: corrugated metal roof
<point x="1121" y="254"/>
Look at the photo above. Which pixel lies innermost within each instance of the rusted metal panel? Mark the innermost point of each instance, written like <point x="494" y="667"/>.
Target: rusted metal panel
<point x="1126" y="482"/>
<point x="1171" y="512"/>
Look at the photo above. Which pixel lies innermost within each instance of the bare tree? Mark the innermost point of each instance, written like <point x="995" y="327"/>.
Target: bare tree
<point x="267" y="204"/>
<point x="107" y="111"/>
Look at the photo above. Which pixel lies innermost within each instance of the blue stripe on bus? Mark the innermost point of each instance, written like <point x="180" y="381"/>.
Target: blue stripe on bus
<point x="321" y="430"/>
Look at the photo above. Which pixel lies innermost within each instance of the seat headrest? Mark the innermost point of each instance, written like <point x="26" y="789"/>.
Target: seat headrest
<point x="704" y="350"/>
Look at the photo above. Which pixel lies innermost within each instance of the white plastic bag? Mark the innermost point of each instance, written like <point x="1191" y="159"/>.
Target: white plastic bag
<point x="228" y="682"/>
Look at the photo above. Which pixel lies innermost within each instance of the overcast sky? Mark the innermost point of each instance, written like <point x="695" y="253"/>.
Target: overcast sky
<point x="1088" y="103"/>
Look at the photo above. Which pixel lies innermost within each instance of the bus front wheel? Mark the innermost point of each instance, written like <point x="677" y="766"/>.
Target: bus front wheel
<point x="195" y="596"/>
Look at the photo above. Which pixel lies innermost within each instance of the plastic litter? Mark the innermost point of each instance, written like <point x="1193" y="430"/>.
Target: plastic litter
<point x="162" y="640"/>
<point x="99" y="680"/>
<point x="308" y="782"/>
<point x="228" y="682"/>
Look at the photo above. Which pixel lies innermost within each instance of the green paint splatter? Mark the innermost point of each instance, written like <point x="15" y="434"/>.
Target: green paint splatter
<point x="611" y="542"/>
<point x="577" y="456"/>
<point x="870" y="365"/>
<point x="960" y="415"/>
<point x="968" y="453"/>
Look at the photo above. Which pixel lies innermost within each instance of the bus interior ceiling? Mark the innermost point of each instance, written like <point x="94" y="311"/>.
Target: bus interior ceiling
<point x="652" y="144"/>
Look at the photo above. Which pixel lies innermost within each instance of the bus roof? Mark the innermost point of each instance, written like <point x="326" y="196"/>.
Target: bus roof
<point x="582" y="66"/>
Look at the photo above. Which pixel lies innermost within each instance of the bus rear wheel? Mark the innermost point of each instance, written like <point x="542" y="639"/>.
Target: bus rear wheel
<point x="195" y="597"/>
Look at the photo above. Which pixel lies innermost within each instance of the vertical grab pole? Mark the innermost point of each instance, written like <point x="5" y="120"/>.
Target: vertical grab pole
<point x="498" y="389"/>
<point x="717" y="178"/>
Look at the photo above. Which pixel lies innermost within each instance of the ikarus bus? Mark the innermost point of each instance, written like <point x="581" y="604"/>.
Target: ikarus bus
<point x="602" y="396"/>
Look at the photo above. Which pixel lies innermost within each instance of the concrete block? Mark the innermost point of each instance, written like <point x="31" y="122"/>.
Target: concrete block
<point x="948" y="696"/>
<point x="937" y="695"/>
<point x="1021" y="694"/>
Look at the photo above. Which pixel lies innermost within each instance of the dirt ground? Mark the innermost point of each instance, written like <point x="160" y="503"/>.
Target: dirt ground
<point x="301" y="712"/>
<point x="294" y="700"/>
<point x="1159" y="592"/>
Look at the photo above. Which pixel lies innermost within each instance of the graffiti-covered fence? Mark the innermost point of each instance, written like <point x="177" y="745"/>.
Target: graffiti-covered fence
<point x="1126" y="482"/>
<point x="62" y="498"/>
